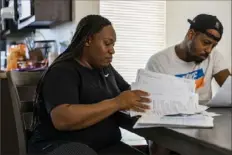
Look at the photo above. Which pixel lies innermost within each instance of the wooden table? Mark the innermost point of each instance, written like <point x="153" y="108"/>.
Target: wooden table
<point x="213" y="141"/>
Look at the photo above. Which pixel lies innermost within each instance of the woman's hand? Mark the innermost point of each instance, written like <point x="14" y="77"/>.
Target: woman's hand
<point x="133" y="100"/>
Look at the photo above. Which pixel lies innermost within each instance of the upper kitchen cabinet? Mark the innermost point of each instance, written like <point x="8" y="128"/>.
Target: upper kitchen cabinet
<point x="49" y="13"/>
<point x="35" y="14"/>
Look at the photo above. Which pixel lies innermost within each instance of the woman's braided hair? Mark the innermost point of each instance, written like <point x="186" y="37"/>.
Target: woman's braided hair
<point x="87" y="27"/>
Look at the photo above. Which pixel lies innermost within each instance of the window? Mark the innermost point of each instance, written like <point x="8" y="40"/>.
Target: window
<point x="140" y="28"/>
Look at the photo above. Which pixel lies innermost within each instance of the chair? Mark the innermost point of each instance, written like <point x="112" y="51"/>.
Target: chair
<point x="73" y="149"/>
<point x="22" y="110"/>
<point x="21" y="83"/>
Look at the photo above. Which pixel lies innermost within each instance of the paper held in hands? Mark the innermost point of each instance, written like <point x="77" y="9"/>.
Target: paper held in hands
<point x="174" y="101"/>
<point x="223" y="97"/>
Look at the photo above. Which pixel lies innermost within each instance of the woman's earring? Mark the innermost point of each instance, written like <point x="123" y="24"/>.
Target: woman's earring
<point x="86" y="44"/>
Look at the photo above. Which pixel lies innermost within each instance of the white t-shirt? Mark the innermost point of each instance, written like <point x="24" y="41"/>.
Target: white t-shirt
<point x="168" y="62"/>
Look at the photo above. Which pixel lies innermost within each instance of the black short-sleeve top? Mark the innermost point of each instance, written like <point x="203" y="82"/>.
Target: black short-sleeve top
<point x="69" y="82"/>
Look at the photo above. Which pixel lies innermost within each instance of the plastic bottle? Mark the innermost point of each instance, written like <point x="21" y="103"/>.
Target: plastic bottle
<point x="51" y="57"/>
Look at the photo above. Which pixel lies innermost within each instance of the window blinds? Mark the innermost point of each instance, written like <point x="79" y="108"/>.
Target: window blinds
<point x="140" y="28"/>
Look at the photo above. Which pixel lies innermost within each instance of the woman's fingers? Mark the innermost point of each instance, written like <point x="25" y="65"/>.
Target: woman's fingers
<point x="144" y="100"/>
<point x="137" y="109"/>
<point x="141" y="93"/>
<point x="142" y="105"/>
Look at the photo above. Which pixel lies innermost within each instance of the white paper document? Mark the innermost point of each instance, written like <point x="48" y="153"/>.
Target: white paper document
<point x="223" y="96"/>
<point x="169" y="94"/>
<point x="165" y="83"/>
<point x="174" y="102"/>
<point x="210" y="114"/>
<point x="174" y="121"/>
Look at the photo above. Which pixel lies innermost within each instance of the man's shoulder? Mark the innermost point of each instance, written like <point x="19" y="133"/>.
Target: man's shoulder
<point x="216" y="55"/>
<point x="163" y="54"/>
<point x="215" y="52"/>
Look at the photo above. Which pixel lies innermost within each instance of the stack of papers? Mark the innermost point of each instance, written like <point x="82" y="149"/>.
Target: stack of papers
<point x="197" y="120"/>
<point x="174" y="101"/>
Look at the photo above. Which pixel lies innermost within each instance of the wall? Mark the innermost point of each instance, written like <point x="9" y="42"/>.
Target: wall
<point x="179" y="11"/>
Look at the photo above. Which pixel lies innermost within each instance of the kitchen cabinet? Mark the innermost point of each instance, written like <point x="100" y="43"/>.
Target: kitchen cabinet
<point x="38" y="14"/>
<point x="52" y="12"/>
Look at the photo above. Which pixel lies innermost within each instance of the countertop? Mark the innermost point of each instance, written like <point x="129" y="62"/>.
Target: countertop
<point x="2" y="75"/>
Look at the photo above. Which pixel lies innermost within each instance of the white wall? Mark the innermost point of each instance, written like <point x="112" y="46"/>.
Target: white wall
<point x="179" y="11"/>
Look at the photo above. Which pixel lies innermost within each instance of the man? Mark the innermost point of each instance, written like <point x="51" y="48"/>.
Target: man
<point x="195" y="57"/>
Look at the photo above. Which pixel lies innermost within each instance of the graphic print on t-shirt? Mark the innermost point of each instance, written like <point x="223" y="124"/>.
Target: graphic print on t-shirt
<point x="198" y="75"/>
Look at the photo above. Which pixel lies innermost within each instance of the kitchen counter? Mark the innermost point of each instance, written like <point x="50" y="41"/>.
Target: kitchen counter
<point x="3" y="75"/>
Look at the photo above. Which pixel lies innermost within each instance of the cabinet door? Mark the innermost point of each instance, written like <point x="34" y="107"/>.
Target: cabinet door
<point x="53" y="10"/>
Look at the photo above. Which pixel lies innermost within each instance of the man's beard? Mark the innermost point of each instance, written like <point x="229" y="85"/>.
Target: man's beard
<point x="196" y="59"/>
<point x="191" y="57"/>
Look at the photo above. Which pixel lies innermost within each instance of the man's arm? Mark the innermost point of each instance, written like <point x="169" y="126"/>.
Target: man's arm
<point x="220" y="68"/>
<point x="221" y="76"/>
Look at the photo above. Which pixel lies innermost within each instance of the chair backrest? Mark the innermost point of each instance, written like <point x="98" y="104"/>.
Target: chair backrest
<point x="16" y="80"/>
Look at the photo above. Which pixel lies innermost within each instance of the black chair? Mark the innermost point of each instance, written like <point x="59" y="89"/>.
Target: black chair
<point x="73" y="149"/>
<point x="21" y="109"/>
<point x="21" y="83"/>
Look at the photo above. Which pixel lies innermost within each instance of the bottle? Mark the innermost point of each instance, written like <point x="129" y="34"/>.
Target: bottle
<point x="51" y="57"/>
<point x="2" y="55"/>
<point x="53" y="52"/>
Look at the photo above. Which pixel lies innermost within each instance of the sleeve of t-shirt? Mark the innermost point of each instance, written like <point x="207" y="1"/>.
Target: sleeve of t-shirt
<point x="122" y="84"/>
<point x="60" y="87"/>
<point x="153" y="65"/>
<point x="219" y="62"/>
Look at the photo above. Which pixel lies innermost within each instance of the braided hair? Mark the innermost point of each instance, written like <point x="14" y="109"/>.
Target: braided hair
<point x="87" y="27"/>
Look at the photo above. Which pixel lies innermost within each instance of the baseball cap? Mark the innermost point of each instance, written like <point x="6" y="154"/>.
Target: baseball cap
<point x="203" y="22"/>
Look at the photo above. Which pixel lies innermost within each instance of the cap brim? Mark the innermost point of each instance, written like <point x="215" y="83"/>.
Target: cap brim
<point x="190" y="21"/>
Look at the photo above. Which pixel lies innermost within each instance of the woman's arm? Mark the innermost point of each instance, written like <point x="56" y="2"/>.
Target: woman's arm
<point x="77" y="116"/>
<point x="61" y="98"/>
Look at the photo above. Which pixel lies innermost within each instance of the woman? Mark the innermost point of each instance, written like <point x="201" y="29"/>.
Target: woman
<point x="79" y="94"/>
